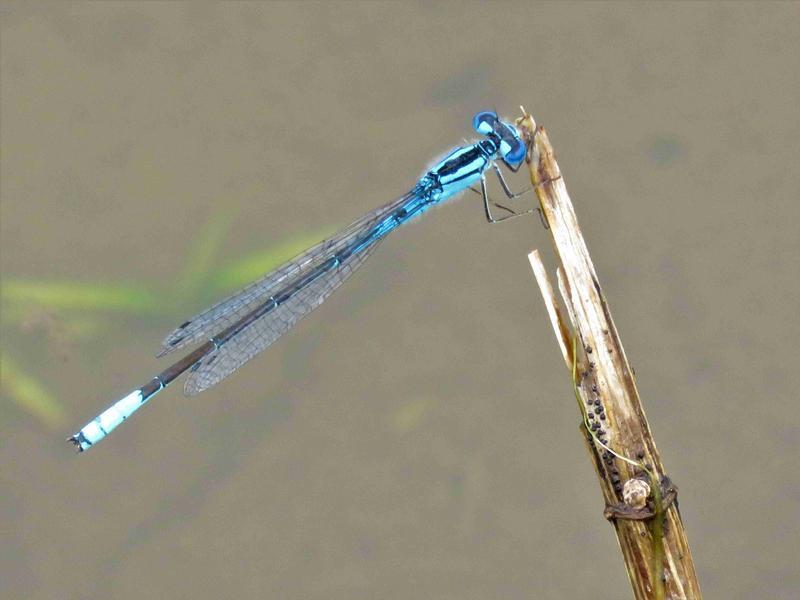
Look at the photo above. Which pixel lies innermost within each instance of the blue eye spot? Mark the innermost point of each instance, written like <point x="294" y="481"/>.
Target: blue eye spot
<point x="517" y="153"/>
<point x="484" y="121"/>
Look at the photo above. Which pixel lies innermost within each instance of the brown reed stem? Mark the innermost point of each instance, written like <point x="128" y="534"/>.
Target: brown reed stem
<point x="640" y="500"/>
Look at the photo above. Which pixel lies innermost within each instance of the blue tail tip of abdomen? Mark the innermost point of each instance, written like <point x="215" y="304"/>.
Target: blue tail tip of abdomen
<point x="80" y="441"/>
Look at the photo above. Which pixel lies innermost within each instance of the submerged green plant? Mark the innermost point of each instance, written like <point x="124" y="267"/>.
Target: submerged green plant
<point x="28" y="394"/>
<point x="69" y="295"/>
<point x="82" y="306"/>
<point x="257" y="264"/>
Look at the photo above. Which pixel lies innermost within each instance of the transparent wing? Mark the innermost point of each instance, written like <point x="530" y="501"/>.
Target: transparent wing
<point x="230" y="310"/>
<point x="260" y="334"/>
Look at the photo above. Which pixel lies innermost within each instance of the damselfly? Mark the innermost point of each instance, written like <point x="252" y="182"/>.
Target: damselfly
<point x="236" y="329"/>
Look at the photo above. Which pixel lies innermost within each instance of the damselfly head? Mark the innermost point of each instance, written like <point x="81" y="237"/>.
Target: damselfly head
<point x="509" y="143"/>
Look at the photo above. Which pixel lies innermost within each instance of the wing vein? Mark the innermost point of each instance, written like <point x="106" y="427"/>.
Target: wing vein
<point x="229" y="311"/>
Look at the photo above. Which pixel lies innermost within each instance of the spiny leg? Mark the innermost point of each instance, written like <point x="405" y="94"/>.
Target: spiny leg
<point x="491" y="218"/>
<point x="513" y="195"/>
<point x="507" y="190"/>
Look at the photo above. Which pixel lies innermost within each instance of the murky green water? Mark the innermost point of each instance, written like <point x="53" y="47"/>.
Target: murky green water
<point x="416" y="436"/>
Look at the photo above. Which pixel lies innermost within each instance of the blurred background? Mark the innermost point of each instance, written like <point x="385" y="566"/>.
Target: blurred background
<point x="416" y="437"/>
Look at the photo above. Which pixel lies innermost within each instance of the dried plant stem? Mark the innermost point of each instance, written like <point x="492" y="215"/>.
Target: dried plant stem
<point x="650" y="533"/>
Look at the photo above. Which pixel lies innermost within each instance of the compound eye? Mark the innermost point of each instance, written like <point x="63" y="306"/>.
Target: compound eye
<point x="517" y="152"/>
<point x="484" y="122"/>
